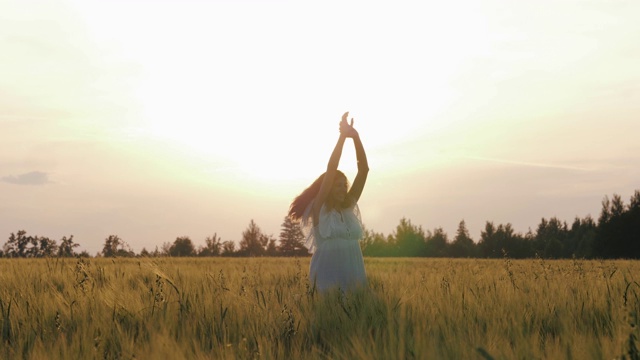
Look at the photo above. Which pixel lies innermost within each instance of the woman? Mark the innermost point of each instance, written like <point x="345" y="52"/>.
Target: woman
<point x="330" y="218"/>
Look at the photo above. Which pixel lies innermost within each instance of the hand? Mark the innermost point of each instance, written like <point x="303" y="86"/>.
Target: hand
<point x="347" y="129"/>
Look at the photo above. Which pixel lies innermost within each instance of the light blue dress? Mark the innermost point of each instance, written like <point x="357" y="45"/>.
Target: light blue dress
<point x="337" y="259"/>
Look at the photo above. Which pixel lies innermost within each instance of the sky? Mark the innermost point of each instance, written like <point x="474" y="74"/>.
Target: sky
<point x="151" y="120"/>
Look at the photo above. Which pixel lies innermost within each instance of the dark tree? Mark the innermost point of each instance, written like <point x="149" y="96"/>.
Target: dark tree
<point x="635" y="201"/>
<point x="67" y="246"/>
<point x="33" y="250"/>
<point x="212" y="247"/>
<point x="436" y="244"/>
<point x="228" y="248"/>
<point x="463" y="245"/>
<point x="265" y="240"/>
<point x="46" y="247"/>
<point x="166" y="249"/>
<point x="581" y="238"/>
<point x="605" y="213"/>
<point x="111" y="245"/>
<point x="115" y="246"/>
<point x="182" y="246"/>
<point x="17" y="244"/>
<point x="632" y="219"/>
<point x="618" y="233"/>
<point x="617" y="206"/>
<point x="253" y="241"/>
<point x="609" y="234"/>
<point x="488" y="242"/>
<point x="551" y="238"/>
<point x="291" y="239"/>
<point x="272" y="249"/>
<point x="516" y="245"/>
<point x="496" y="242"/>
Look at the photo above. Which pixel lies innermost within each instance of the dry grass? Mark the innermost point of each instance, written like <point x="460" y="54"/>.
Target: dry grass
<point x="265" y="308"/>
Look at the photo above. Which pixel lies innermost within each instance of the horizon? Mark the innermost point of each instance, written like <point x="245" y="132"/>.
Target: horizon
<point x="450" y="236"/>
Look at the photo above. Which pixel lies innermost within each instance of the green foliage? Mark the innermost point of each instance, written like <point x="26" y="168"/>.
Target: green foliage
<point x="409" y="239"/>
<point x="375" y="244"/>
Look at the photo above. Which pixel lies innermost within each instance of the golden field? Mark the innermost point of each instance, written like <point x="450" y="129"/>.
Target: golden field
<point x="265" y="308"/>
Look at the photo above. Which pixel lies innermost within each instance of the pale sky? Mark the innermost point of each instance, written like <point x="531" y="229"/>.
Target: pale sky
<point x="157" y="119"/>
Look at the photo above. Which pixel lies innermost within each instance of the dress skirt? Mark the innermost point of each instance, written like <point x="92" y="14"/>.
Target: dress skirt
<point x="337" y="263"/>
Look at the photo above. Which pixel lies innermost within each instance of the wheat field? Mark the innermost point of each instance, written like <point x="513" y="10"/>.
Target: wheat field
<point x="265" y="308"/>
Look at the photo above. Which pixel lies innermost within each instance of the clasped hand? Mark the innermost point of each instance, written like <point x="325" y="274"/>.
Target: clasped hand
<point x="347" y="129"/>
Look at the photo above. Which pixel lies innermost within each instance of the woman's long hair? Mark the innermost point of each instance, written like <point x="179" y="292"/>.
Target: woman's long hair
<point x="302" y="201"/>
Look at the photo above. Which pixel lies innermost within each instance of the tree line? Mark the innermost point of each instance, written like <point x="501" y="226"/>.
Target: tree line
<point x="615" y="234"/>
<point x="254" y="243"/>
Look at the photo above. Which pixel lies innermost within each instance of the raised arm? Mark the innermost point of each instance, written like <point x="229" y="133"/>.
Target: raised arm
<point x="361" y="157"/>
<point x="330" y="174"/>
<point x="363" y="170"/>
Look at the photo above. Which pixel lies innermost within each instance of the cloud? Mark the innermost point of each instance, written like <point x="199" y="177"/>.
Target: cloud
<point x="30" y="178"/>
